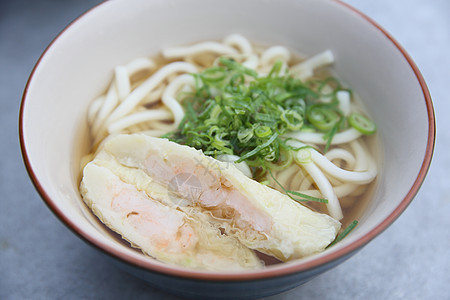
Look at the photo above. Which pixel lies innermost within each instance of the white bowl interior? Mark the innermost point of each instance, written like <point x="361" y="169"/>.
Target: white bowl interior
<point x="79" y="64"/>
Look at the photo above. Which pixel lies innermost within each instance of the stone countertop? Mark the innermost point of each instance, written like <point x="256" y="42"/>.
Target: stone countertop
<point x="41" y="259"/>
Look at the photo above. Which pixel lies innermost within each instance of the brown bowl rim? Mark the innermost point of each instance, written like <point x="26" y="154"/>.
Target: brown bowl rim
<point x="288" y="269"/>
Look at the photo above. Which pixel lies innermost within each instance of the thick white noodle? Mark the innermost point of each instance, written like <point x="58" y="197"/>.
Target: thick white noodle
<point x="344" y="102"/>
<point x="122" y="82"/>
<point x="94" y="108"/>
<point x="304" y="75"/>
<point x="362" y="157"/>
<point x="334" y="181"/>
<point x="214" y="47"/>
<point x="317" y="138"/>
<point x="139" y="64"/>
<point x="345" y="189"/>
<point x="327" y="90"/>
<point x="163" y="126"/>
<point x="342" y="154"/>
<point x="154" y="96"/>
<point x="353" y="178"/>
<point x="139" y="117"/>
<point x="154" y="132"/>
<point x="168" y="97"/>
<point x="333" y="206"/>
<point x="147" y="86"/>
<point x="284" y="177"/>
<point x="297" y="180"/>
<point x="240" y="42"/>
<point x="251" y="62"/>
<point x="272" y="54"/>
<point x="305" y="69"/>
<point x="328" y="167"/>
<point x="108" y="106"/>
<point x="305" y="184"/>
<point x="316" y="61"/>
<point x="341" y="191"/>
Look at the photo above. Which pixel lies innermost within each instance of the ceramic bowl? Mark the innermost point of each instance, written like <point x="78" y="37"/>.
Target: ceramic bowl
<point x="79" y="63"/>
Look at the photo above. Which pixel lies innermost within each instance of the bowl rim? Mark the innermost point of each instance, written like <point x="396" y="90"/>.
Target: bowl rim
<point x="287" y="269"/>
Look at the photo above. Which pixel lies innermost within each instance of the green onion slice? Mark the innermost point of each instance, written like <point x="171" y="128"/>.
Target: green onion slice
<point x="257" y="149"/>
<point x="263" y="131"/>
<point x="307" y="197"/>
<point x="322" y="116"/>
<point x="303" y="196"/>
<point x="293" y="120"/>
<point x="362" y="124"/>
<point x="213" y="74"/>
<point x="344" y="233"/>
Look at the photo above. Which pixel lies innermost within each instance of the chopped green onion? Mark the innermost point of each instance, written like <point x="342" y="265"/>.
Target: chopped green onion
<point x="288" y="193"/>
<point x="285" y="160"/>
<point x="257" y="149"/>
<point x="307" y="197"/>
<point x="213" y="74"/>
<point x="235" y="111"/>
<point x="233" y="65"/>
<point x="322" y="116"/>
<point x="263" y="131"/>
<point x="293" y="120"/>
<point x="344" y="233"/>
<point x="330" y="134"/>
<point x="275" y="69"/>
<point x="362" y="124"/>
<point x="303" y="156"/>
<point x="244" y="135"/>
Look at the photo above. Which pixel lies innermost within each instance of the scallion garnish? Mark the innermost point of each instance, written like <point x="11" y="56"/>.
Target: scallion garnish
<point x="362" y="124"/>
<point x="303" y="198"/>
<point x="307" y="197"/>
<point x="233" y="110"/>
<point x="323" y="116"/>
<point x="344" y="233"/>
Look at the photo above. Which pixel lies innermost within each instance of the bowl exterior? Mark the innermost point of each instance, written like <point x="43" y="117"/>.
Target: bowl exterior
<point x="189" y="288"/>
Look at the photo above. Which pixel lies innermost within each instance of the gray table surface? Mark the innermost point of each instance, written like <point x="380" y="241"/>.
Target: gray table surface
<point x="41" y="259"/>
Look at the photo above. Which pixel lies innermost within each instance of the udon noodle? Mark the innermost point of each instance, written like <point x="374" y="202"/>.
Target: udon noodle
<point x="144" y="97"/>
